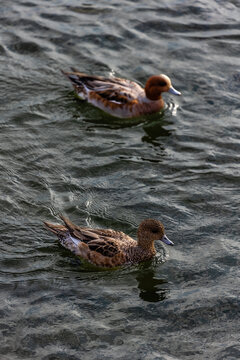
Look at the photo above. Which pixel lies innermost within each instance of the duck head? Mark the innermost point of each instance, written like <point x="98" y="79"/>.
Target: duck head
<point x="157" y="84"/>
<point x="149" y="231"/>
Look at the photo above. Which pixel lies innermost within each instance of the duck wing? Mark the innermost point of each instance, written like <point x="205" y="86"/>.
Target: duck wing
<point x="115" y="90"/>
<point x="102" y="241"/>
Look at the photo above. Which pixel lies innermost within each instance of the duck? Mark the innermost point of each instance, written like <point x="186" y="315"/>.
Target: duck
<point x="121" y="98"/>
<point x="107" y="248"/>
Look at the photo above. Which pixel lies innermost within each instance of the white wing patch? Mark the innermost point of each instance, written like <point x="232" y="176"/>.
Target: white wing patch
<point x="116" y="102"/>
<point x="74" y="240"/>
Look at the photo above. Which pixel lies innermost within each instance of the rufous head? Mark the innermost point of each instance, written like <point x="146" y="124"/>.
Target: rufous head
<point x="157" y="84"/>
<point x="149" y="231"/>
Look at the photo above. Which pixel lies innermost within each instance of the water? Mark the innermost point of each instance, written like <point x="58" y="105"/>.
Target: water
<point x="59" y="155"/>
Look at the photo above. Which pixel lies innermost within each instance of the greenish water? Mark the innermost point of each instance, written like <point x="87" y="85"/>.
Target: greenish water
<point x="60" y="155"/>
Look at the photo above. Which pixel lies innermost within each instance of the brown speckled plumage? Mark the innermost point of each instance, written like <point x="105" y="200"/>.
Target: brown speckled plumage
<point x="121" y="97"/>
<point x="110" y="248"/>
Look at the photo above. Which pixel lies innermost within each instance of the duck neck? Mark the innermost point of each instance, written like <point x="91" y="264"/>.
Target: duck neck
<point x="146" y="245"/>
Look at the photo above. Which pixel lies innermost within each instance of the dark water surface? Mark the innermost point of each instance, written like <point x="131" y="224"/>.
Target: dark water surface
<point x="59" y="155"/>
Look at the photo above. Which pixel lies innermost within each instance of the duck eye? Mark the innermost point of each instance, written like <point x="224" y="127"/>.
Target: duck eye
<point x="162" y="83"/>
<point x="155" y="231"/>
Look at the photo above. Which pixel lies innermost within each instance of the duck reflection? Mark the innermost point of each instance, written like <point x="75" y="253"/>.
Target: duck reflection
<point x="152" y="289"/>
<point x="155" y="126"/>
<point x="155" y="130"/>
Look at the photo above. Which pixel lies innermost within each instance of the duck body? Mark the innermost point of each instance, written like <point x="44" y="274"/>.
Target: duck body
<point x="121" y="97"/>
<point x="109" y="248"/>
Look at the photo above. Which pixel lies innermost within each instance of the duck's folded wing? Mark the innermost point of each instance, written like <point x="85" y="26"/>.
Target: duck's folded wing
<point x="116" y="90"/>
<point x="121" y="96"/>
<point x="97" y="240"/>
<point x="105" y="246"/>
<point x="112" y="89"/>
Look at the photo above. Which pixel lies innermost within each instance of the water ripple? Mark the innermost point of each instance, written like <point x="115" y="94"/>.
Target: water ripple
<point x="60" y="155"/>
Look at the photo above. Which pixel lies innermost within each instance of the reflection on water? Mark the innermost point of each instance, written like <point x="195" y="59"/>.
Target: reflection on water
<point x="155" y="126"/>
<point x="152" y="289"/>
<point x="155" y="129"/>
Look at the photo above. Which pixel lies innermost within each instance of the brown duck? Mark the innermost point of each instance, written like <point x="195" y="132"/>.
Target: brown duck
<point x="110" y="248"/>
<point x="121" y="97"/>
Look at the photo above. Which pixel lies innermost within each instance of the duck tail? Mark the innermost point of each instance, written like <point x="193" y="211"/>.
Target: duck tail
<point x="69" y="225"/>
<point x="75" y="70"/>
<point x="77" y="80"/>
<point x="74" y="74"/>
<point x="55" y="228"/>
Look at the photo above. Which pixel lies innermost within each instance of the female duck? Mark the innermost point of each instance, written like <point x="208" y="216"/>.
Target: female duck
<point x="109" y="248"/>
<point x="120" y="97"/>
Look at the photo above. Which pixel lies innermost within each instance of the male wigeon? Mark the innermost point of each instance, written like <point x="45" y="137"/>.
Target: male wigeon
<point x="110" y="248"/>
<point x="120" y="97"/>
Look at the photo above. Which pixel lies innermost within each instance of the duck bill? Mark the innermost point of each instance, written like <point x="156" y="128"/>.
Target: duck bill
<point x="174" y="91"/>
<point x="166" y="240"/>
